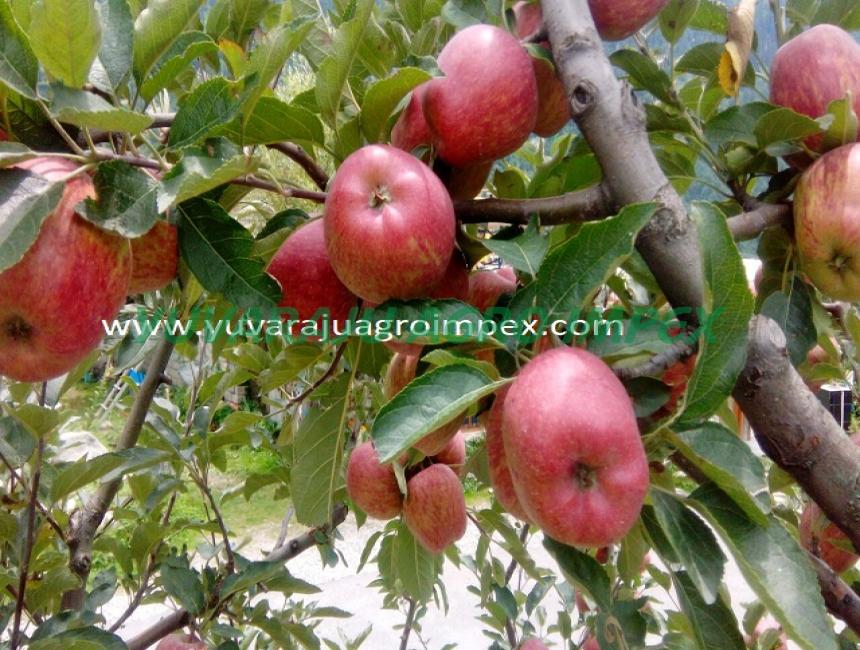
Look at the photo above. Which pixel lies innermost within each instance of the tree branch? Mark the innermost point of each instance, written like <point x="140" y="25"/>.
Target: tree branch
<point x="298" y="155"/>
<point x="407" y="627"/>
<point x="842" y="601"/>
<point x="750" y="225"/>
<point x="288" y="192"/>
<point x="590" y="204"/>
<point x="659" y="362"/>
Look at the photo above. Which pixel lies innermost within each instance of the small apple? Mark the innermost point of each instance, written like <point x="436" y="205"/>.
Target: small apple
<point x="54" y="299"/>
<point x="500" y="473"/>
<point x="435" y="508"/>
<point x="826" y="209"/>
<point x="487" y="286"/>
<point x="372" y="485"/>
<point x="308" y="281"/>
<point x="454" y="453"/>
<point x="180" y="642"/>
<point x="463" y="183"/>
<point x="579" y="471"/>
<point x="617" y="19"/>
<point x="389" y="225"/>
<point x="411" y="130"/>
<point x="533" y="644"/>
<point x="590" y="644"/>
<point x="486" y="105"/>
<point x="154" y="258"/>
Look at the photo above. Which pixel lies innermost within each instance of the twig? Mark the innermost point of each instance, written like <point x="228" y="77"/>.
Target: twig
<point x="298" y="155"/>
<point x="291" y="193"/>
<point x="590" y="204"/>
<point x="137" y="161"/>
<point x="510" y="628"/>
<point x="407" y="627"/>
<point x="659" y="362"/>
<point x="319" y="382"/>
<point x="45" y="513"/>
<point x="842" y="601"/>
<point x="750" y="225"/>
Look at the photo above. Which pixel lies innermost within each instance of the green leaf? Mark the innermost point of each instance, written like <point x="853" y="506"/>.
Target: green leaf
<point x="217" y="249"/>
<point x="736" y="124"/>
<point x="65" y="35"/>
<point x="464" y="320"/>
<point x="26" y="199"/>
<point x="126" y="200"/>
<point x="463" y="13"/>
<point x="288" y="365"/>
<point x="209" y="106"/>
<point x="157" y="27"/>
<point x="843" y="129"/>
<point x="86" y="109"/>
<point x="675" y="18"/>
<point x="583" y="570"/>
<point x="253" y="573"/>
<point x="382" y="98"/>
<point x="116" y="52"/>
<point x="775" y="567"/>
<point x="525" y="252"/>
<point x="181" y="54"/>
<point x="183" y="584"/>
<point x="722" y="347"/>
<point x="318" y="451"/>
<point x="334" y="71"/>
<point x="575" y="270"/>
<point x="793" y="313"/>
<point x="845" y="13"/>
<point x="198" y="173"/>
<point x="730" y="463"/>
<point x="274" y="120"/>
<point x="783" y="125"/>
<point x="107" y="466"/>
<point x="19" y="69"/>
<point x="644" y="73"/>
<point x="693" y="544"/>
<point x="417" y="569"/>
<point x="16" y="442"/>
<point x="80" y="638"/>
<point x="702" y="60"/>
<point x="492" y="520"/>
<point x="431" y="400"/>
<point x="712" y="16"/>
<point x="713" y="625"/>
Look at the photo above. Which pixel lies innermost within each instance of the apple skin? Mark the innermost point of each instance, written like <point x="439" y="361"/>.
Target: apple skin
<point x="533" y="644"/>
<point x="372" y="485"/>
<point x="180" y="642"/>
<point x="154" y="258"/>
<point x="411" y="130"/>
<point x="435" y="508"/>
<point x="463" y="183"/>
<point x="813" y="69"/>
<point x="617" y="19"/>
<point x="487" y="286"/>
<point x="389" y="225"/>
<point x="580" y="472"/>
<point x="486" y="105"/>
<point x="308" y="281"/>
<point x="827" y="223"/>
<point x="500" y="473"/>
<point x="53" y="301"/>
<point x="837" y="558"/>
<point x="454" y="453"/>
<point x="590" y="644"/>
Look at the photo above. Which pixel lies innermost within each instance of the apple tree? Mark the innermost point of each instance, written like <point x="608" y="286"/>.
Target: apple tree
<point x="215" y="217"/>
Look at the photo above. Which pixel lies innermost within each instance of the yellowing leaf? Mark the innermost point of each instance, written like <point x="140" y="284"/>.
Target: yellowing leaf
<point x="736" y="55"/>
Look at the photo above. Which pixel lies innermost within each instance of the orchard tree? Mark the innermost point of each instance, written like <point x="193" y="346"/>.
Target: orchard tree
<point x="287" y="167"/>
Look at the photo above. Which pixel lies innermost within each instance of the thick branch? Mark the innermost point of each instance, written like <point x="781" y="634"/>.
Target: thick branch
<point x="612" y="121"/>
<point x="750" y="225"/>
<point x="85" y="523"/>
<point x="841" y="600"/>
<point x="298" y="155"/>
<point x="590" y="204"/>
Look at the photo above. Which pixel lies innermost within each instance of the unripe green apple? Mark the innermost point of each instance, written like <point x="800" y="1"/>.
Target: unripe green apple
<point x="827" y="223"/>
<point x="154" y="258"/>
<point x="53" y="301"/>
<point x="435" y="508"/>
<point x="372" y="485"/>
<point x="500" y="472"/>
<point x="389" y="225"/>
<point x="573" y="446"/>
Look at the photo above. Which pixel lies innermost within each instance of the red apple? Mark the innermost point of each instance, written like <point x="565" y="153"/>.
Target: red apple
<point x="676" y="378"/>
<point x="372" y="485"/>
<point x="487" y="286"/>
<point x="180" y="642"/>
<point x="463" y="183"/>
<point x="590" y="644"/>
<point x="53" y="301"/>
<point x="433" y="443"/>
<point x="411" y="130"/>
<point x="435" y="508"/>
<point x="485" y="106"/>
<point x="813" y="69"/>
<point x="154" y="258"/>
<point x="577" y="461"/>
<point x="533" y="644"/>
<point x="500" y="473"/>
<point x="308" y="281"/>
<point x="827" y="223"/>
<point x="817" y="533"/>
<point x="389" y="225"/>
<point x="618" y="19"/>
<point x="454" y="453"/>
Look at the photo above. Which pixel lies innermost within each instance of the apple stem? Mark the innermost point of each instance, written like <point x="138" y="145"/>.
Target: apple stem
<point x="380" y="197"/>
<point x="18" y="329"/>
<point x="584" y="476"/>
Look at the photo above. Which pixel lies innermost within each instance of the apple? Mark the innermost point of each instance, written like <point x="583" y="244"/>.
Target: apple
<point x="463" y="183"/>
<point x="813" y="69"/>
<point x="454" y="453"/>
<point x="500" y="473"/>
<point x="308" y="281"/>
<point x="590" y="644"/>
<point x="826" y="215"/>
<point x="411" y="130"/>
<point x="617" y="19"/>
<point x="486" y="105"/>
<point x="389" y="225"/>
<point x="488" y="285"/>
<point x="768" y="624"/>
<point x="154" y="258"/>
<point x="53" y="300"/>
<point x="372" y="485"/>
<point x="533" y="644"/>
<point x="435" y="508"/>
<point x="817" y="534"/>
<point x="180" y="642"/>
<point x="676" y="377"/>
<point x="576" y="457"/>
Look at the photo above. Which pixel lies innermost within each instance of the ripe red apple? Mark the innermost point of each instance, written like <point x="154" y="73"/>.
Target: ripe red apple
<point x="180" y="642"/>
<point x="485" y="106"/>
<point x="813" y="69"/>
<point x="500" y="473"/>
<point x="818" y="533"/>
<point x="53" y="301"/>
<point x="618" y="19"/>
<point x="308" y="281"/>
<point x="372" y="485"/>
<point x="487" y="286"/>
<point x="435" y="508"/>
<point x="827" y="223"/>
<point x="389" y="225"/>
<point x="590" y="644"/>
<point x="533" y="644"/>
<point x="154" y="258"/>
<point x="454" y="453"/>
<point x="577" y="461"/>
<point x="463" y="183"/>
<point x="411" y="130"/>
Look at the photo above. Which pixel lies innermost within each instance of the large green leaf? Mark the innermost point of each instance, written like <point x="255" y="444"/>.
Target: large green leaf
<point x="675" y="18"/>
<point x="736" y="124"/>
<point x="84" y="638"/>
<point x="431" y="400"/>
<point x="574" y="271"/>
<point x="792" y="311"/>
<point x="19" y="69"/>
<point x="212" y="104"/>
<point x="66" y="36"/>
<point x="126" y="200"/>
<point x="525" y="252"/>
<point x="382" y="98"/>
<point x="722" y="348"/>
<point x="85" y="109"/>
<point x="198" y="173"/>
<point x="462" y="321"/>
<point x="107" y="466"/>
<point x="714" y="625"/>
<point x="775" y="567"/>
<point x="181" y="54"/>
<point x="183" y="583"/>
<point x="644" y="73"/>
<point x="274" y="120"/>
<point x="116" y="52"/>
<point x="583" y="570"/>
<point x="318" y="451"/>
<point x="217" y="249"/>
<point x="417" y="570"/>
<point x="783" y="125"/>
<point x="157" y="27"/>
<point x="26" y="200"/>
